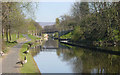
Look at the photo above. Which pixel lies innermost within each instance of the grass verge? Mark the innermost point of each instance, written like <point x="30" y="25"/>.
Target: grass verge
<point x="33" y="37"/>
<point x="30" y="66"/>
<point x="6" y="45"/>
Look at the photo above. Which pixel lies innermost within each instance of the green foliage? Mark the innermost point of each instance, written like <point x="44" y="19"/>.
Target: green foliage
<point x="78" y="34"/>
<point x="98" y="26"/>
<point x="56" y="35"/>
<point x="57" y="21"/>
<point x="33" y="27"/>
<point x="14" y="19"/>
<point x="116" y="35"/>
<point x="30" y="66"/>
<point x="66" y="22"/>
<point x="67" y="36"/>
<point x="98" y="21"/>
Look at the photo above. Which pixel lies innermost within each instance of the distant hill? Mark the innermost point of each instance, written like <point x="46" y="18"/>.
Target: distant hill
<point x="46" y="23"/>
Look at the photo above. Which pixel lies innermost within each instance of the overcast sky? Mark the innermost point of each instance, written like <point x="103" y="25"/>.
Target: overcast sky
<point x="49" y="11"/>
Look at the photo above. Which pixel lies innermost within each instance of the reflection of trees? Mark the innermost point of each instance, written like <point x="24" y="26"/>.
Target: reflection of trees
<point x="99" y="61"/>
<point x="66" y="54"/>
<point x="86" y="61"/>
<point x="51" y="43"/>
<point x="70" y="56"/>
<point x="77" y="65"/>
<point x="35" y="50"/>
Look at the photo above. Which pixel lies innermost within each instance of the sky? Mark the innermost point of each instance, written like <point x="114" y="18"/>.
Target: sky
<point x="49" y="11"/>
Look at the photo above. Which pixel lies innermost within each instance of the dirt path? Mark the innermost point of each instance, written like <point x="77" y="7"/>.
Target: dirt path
<point x="9" y="61"/>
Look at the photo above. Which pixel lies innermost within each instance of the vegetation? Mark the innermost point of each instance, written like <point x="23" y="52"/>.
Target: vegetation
<point x="93" y="21"/>
<point x="34" y="28"/>
<point x="68" y="36"/>
<point x="6" y="45"/>
<point x="30" y="66"/>
<point x="15" y="23"/>
<point x="33" y="37"/>
<point x="57" y="21"/>
<point x="56" y="35"/>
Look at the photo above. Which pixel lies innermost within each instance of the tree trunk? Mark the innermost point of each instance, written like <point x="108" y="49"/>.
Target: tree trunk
<point x="36" y="33"/>
<point x="7" y="35"/>
<point x="18" y="35"/>
<point x="2" y="33"/>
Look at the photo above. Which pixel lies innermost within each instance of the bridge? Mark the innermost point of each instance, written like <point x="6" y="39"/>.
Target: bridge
<point x="60" y="33"/>
<point x="53" y="29"/>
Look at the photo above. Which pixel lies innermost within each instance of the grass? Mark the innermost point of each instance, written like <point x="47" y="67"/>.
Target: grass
<point x="6" y="45"/>
<point x="9" y="44"/>
<point x="33" y="37"/>
<point x="67" y="36"/>
<point x="66" y="45"/>
<point x="30" y="66"/>
<point x="14" y="38"/>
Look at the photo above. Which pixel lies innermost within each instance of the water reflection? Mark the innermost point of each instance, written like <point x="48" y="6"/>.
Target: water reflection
<point x="36" y="50"/>
<point x="64" y="59"/>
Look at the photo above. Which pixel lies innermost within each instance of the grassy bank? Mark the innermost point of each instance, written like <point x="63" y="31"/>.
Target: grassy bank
<point x="66" y="36"/>
<point x="30" y="66"/>
<point x="99" y="42"/>
<point x="33" y="37"/>
<point x="14" y="38"/>
<point x="6" y="45"/>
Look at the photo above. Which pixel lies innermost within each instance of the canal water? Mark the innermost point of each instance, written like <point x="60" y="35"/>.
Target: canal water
<point x="54" y="57"/>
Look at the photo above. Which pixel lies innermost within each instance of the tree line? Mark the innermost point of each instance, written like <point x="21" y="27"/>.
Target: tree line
<point x="93" y="21"/>
<point x="14" y="19"/>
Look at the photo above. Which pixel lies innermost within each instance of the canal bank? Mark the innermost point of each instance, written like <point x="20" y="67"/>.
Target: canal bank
<point x="9" y="61"/>
<point x="93" y="48"/>
<point x="89" y="45"/>
<point x="30" y="66"/>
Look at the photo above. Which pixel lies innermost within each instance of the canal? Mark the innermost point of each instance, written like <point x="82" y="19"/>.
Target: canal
<point x="54" y="57"/>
